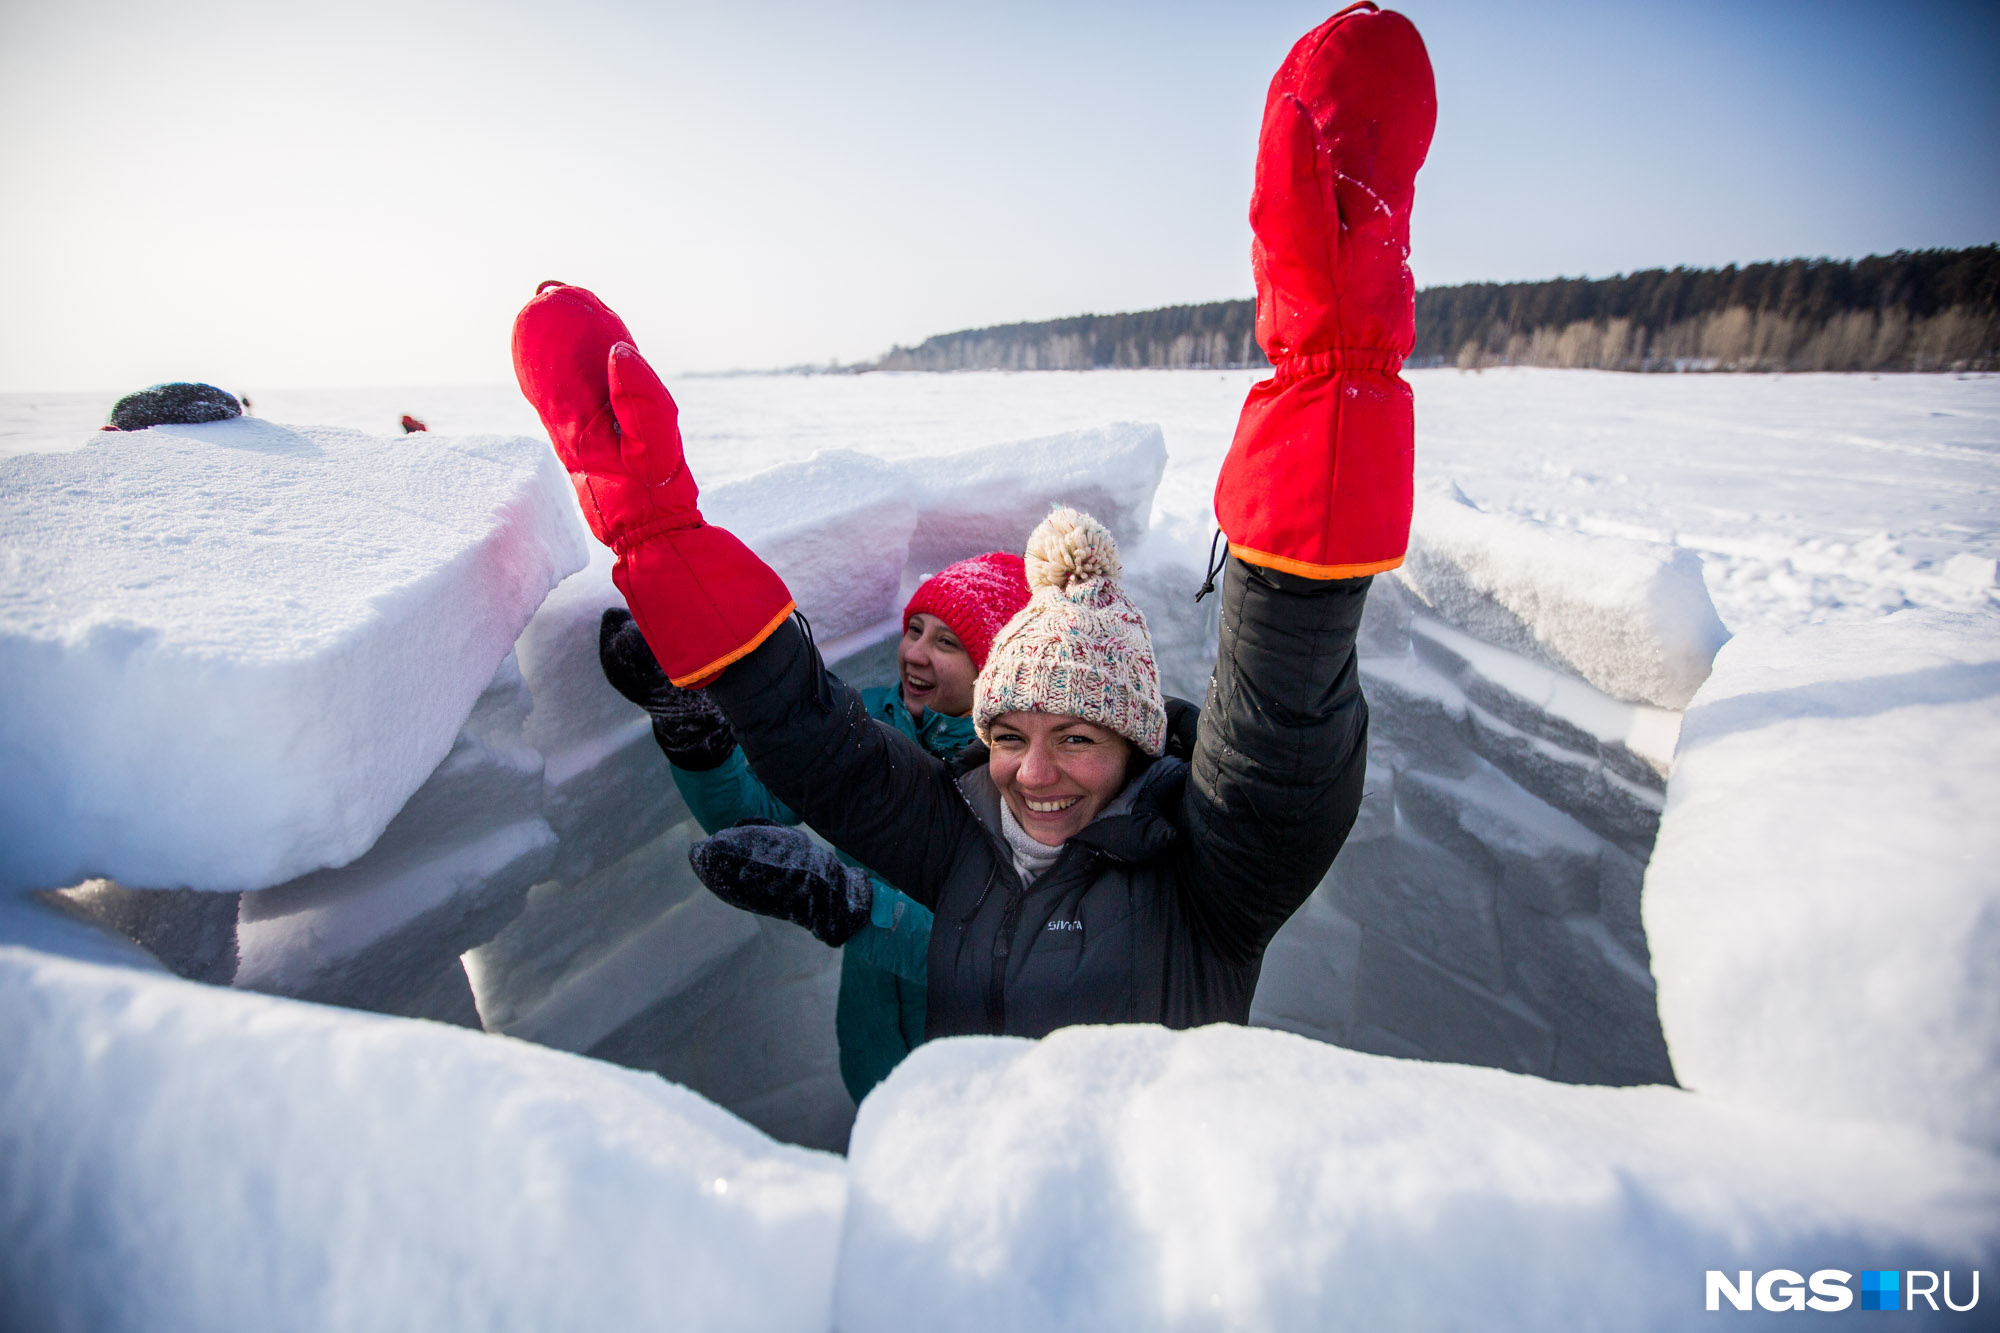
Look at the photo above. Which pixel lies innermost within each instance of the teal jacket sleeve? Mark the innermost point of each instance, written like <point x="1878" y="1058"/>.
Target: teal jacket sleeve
<point x="729" y="794"/>
<point x="897" y="937"/>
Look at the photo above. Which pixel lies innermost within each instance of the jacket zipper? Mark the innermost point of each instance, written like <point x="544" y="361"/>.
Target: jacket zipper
<point x="996" y="986"/>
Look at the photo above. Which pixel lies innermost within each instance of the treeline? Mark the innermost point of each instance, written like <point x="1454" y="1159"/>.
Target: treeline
<point x="1221" y="333"/>
<point x="1913" y="310"/>
<point x="1922" y="310"/>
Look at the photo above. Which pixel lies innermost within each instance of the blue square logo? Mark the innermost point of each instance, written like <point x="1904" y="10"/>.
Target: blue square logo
<point x="1881" y="1289"/>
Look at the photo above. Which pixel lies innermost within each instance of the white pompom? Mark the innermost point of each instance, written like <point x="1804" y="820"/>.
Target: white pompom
<point x="1068" y="548"/>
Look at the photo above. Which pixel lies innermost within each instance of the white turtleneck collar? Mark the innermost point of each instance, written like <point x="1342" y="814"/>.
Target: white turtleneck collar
<point x="1031" y="858"/>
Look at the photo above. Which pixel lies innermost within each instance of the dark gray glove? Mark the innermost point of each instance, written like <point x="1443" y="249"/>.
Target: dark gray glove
<point x="778" y="871"/>
<point x="690" y="728"/>
<point x="1182" y="720"/>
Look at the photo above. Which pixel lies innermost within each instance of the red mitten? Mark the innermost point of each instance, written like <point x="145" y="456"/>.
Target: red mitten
<point x="700" y="597"/>
<point x="1318" y="479"/>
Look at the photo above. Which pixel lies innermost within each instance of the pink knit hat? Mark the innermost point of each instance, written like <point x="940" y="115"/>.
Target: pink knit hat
<point x="975" y="597"/>
<point x="1079" y="648"/>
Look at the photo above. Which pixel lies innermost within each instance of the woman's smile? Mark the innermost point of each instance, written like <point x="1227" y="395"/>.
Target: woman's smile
<point x="1056" y="773"/>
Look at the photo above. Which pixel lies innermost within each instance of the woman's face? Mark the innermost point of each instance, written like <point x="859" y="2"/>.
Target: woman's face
<point x="1055" y="772"/>
<point x="937" y="672"/>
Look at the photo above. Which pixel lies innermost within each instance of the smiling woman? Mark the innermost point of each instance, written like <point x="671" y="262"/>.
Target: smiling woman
<point x="1055" y="774"/>
<point x="1079" y="873"/>
<point x="1070" y="696"/>
<point x="934" y="668"/>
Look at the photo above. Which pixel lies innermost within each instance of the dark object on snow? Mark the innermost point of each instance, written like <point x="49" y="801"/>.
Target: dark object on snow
<point x="690" y="729"/>
<point x="411" y="425"/>
<point x="772" y="870"/>
<point x="174" y="405"/>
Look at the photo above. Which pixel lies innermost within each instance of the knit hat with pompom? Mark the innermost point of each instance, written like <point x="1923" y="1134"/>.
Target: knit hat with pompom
<point x="1079" y="648"/>
<point x="975" y="597"/>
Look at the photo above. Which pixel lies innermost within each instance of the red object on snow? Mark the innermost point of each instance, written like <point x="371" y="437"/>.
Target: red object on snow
<point x="699" y="595"/>
<point x="412" y="425"/>
<point x="1318" y="479"/>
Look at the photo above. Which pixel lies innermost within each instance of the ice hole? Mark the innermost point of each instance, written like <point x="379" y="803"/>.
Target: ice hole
<point x="1485" y="909"/>
<point x="1525" y="686"/>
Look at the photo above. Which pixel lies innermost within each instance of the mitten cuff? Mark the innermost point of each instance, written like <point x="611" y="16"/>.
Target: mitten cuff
<point x="702" y="598"/>
<point x="1332" y="360"/>
<point x="1318" y="481"/>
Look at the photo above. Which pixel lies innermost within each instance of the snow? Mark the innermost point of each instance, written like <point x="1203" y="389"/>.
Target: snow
<point x="46" y="928"/>
<point x="1808" y="497"/>
<point x="1631" y="618"/>
<point x="990" y="499"/>
<point x="185" y="1156"/>
<point x="851" y="534"/>
<point x="1819" y="912"/>
<point x="1130" y="1177"/>
<point x="1824" y="903"/>
<point x="229" y="649"/>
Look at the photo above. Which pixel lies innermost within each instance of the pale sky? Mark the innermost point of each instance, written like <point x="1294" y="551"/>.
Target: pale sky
<point x="285" y="195"/>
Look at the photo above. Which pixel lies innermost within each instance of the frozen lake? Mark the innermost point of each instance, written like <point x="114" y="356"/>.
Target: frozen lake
<point x="1808" y="497"/>
<point x="1687" y="917"/>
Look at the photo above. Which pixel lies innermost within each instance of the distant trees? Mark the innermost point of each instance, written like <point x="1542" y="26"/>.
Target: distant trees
<point x="1220" y="333"/>
<point x="1912" y="310"/>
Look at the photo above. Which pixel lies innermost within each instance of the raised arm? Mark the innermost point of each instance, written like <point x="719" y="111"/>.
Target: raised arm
<point x="1279" y="755"/>
<point x="712" y="612"/>
<point x="1315" y="494"/>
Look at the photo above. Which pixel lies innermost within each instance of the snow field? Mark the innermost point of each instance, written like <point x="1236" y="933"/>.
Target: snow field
<point x="190" y="1157"/>
<point x="233" y="651"/>
<point x="1826" y="984"/>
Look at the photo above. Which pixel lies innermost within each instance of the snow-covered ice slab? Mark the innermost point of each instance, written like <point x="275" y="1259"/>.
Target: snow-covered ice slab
<point x="232" y="651"/>
<point x="1824" y="901"/>
<point x="845" y="529"/>
<point x="183" y="1156"/>
<point x="1230" y="1178"/>
<point x="990" y="499"/>
<point x="1631" y="618"/>
<point x="384" y="931"/>
<point x="583" y="960"/>
<point x="836" y="527"/>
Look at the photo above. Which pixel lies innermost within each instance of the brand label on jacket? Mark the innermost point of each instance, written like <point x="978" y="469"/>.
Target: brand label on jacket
<point x="1064" y="931"/>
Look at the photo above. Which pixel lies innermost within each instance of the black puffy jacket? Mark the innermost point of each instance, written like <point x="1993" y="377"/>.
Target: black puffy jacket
<point x="1160" y="910"/>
